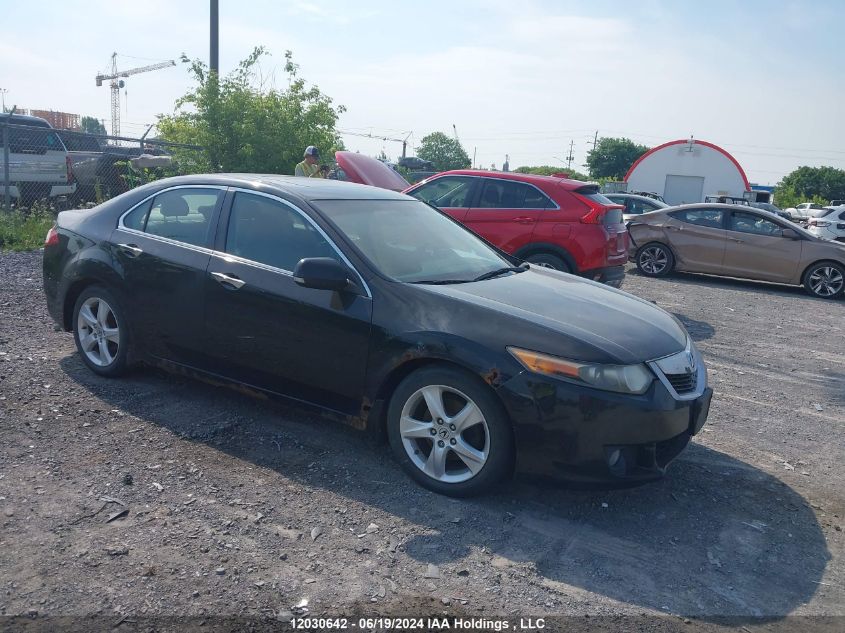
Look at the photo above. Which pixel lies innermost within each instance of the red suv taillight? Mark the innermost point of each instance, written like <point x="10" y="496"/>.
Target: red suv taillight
<point x="52" y="238"/>
<point x="602" y="211"/>
<point x="69" y="167"/>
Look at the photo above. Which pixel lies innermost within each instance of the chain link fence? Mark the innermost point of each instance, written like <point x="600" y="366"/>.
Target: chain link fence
<point x="42" y="168"/>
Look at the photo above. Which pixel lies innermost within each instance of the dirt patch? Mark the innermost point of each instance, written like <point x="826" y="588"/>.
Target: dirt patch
<point x="156" y="495"/>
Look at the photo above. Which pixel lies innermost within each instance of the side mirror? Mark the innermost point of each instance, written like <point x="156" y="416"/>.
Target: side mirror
<point x="321" y="273"/>
<point x="790" y="234"/>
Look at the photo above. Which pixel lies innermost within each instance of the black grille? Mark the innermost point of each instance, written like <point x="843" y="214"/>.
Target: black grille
<point x="683" y="383"/>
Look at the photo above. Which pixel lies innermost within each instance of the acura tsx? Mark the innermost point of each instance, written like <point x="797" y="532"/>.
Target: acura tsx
<point x="379" y="308"/>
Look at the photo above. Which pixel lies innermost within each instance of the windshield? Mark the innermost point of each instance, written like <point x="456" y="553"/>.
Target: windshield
<point x="409" y="241"/>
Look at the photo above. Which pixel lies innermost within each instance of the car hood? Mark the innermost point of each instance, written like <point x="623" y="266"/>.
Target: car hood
<point x="366" y="170"/>
<point x="595" y="323"/>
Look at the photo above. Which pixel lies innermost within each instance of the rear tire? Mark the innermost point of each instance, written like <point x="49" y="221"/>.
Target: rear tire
<point x="449" y="432"/>
<point x="655" y="260"/>
<point x="547" y="260"/>
<point x="825" y="280"/>
<point x="101" y="332"/>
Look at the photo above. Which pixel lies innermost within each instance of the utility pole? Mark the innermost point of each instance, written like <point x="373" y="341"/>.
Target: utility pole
<point x="570" y="158"/>
<point x="594" y="142"/>
<point x="3" y="92"/>
<point x="214" y="52"/>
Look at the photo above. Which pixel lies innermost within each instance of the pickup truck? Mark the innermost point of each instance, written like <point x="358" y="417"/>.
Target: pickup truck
<point x="39" y="165"/>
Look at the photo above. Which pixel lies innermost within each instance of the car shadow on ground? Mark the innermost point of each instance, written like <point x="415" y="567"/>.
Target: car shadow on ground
<point x="698" y="330"/>
<point x="717" y="537"/>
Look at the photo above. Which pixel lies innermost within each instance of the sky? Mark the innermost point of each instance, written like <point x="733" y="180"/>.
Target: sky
<point x="763" y="79"/>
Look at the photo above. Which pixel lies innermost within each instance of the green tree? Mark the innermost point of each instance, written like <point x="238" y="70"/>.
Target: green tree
<point x="444" y="151"/>
<point x="548" y="170"/>
<point x="810" y="184"/>
<point x="612" y="157"/>
<point x="91" y="125"/>
<point x="246" y="127"/>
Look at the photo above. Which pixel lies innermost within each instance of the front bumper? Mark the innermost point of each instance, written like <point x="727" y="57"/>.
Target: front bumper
<point x="579" y="434"/>
<point x="612" y="275"/>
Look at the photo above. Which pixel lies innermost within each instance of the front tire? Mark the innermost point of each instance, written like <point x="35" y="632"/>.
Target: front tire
<point x="449" y="432"/>
<point x="655" y="260"/>
<point x="825" y="280"/>
<point x="101" y="332"/>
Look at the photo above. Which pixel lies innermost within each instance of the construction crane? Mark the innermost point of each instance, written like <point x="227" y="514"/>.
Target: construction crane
<point x="117" y="83"/>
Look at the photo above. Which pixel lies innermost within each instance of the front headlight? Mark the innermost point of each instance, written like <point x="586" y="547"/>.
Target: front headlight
<point x="620" y="378"/>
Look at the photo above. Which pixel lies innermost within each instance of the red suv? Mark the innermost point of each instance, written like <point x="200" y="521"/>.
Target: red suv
<point x="556" y="222"/>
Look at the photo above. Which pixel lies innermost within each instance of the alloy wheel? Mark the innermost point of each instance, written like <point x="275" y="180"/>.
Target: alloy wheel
<point x="654" y="260"/>
<point x="99" y="331"/>
<point x="444" y="433"/>
<point x="826" y="281"/>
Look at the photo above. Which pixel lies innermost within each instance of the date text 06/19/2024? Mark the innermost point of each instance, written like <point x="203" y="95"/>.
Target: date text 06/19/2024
<point x="421" y="624"/>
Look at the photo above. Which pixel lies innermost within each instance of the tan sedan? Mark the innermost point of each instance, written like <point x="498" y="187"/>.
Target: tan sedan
<point x="736" y="241"/>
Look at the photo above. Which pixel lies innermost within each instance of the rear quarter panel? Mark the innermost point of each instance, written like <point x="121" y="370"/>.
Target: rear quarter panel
<point x="563" y="227"/>
<point x="644" y="232"/>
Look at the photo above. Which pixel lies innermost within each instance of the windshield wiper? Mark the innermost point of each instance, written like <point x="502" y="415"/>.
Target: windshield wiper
<point x="441" y="282"/>
<point x="501" y="271"/>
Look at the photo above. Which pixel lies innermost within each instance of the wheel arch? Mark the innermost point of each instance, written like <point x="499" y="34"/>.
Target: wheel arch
<point x="816" y="263"/>
<point x="377" y="422"/>
<point x="535" y="248"/>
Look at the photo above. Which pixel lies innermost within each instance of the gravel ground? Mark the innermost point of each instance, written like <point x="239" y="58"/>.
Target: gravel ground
<point x="244" y="507"/>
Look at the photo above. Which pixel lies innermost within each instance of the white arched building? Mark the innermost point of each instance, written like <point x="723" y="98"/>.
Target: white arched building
<point x="686" y="171"/>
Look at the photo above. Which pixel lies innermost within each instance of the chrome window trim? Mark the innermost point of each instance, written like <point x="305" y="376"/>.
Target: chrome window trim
<point x="228" y="256"/>
<point x="289" y="273"/>
<point x="522" y="182"/>
<point x="697" y="363"/>
<point x="120" y="224"/>
<point x="167" y="240"/>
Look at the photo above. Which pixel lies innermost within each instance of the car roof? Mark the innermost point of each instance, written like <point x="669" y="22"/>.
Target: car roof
<point x="534" y="179"/>
<point x="307" y="189"/>
<point x="24" y="119"/>
<point x="723" y="206"/>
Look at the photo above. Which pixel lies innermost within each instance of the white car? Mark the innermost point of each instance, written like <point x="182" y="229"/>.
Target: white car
<point x="829" y="223"/>
<point x="803" y="210"/>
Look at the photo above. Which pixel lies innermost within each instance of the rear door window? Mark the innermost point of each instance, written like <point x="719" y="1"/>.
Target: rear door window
<point x="183" y="215"/>
<point x="447" y="192"/>
<point x="711" y="218"/>
<point x="508" y="194"/>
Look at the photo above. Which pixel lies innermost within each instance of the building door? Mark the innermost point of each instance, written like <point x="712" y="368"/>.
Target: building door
<point x="683" y="189"/>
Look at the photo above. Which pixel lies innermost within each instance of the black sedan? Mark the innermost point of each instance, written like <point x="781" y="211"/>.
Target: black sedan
<point x="377" y="307"/>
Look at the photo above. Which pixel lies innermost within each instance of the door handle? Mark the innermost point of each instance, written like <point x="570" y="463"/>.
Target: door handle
<point x="673" y="228"/>
<point x="736" y="239"/>
<point x="524" y="219"/>
<point x="229" y="280"/>
<point x="132" y="250"/>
